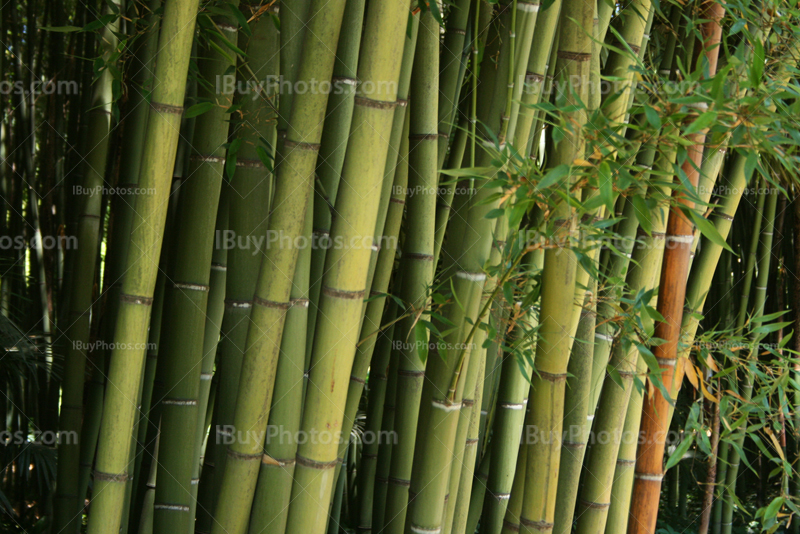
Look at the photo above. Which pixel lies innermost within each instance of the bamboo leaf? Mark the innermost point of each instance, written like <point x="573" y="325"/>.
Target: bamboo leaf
<point x="680" y="450"/>
<point x="708" y="229"/>
<point x="198" y="109"/>
<point x="702" y="122"/>
<point x="421" y="338"/>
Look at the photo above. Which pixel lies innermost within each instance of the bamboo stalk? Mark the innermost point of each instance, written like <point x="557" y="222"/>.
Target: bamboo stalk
<point x="251" y="191"/>
<point x="558" y="279"/>
<point x="68" y="503"/>
<point x="138" y="284"/>
<point x="341" y="307"/>
<point x="672" y="292"/>
<point x="186" y="295"/>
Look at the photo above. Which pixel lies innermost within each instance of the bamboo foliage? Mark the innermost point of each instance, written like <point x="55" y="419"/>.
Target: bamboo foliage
<point x="406" y="267"/>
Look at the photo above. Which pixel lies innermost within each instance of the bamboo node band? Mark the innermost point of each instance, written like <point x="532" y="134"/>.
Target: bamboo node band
<point x="573" y="444"/>
<point x="206" y="376"/>
<point x="219" y="267"/>
<point x="500" y="496"/>
<point x="513" y="527"/>
<point x="418" y="256"/>
<point x="424" y="530"/>
<point x="250" y="163"/>
<point x="243" y="456"/>
<point x="446" y="406"/>
<point x="301" y="146"/>
<point x="264" y="303"/>
<point x="472" y="277"/>
<point x="166" y="108"/>
<point x="595" y="505"/>
<point x="375" y="104"/>
<point x="206" y="159"/>
<point x="343" y="294"/>
<point x="357" y="379"/>
<point x="111" y="477"/>
<point x="171" y="507"/>
<point x="345" y="79"/>
<point x="626" y="462"/>
<point x="511" y="405"/>
<point x="666" y="362"/>
<point x="722" y="215"/>
<point x="648" y="478"/>
<point x="680" y="238"/>
<point x="190" y="287"/>
<point x="423" y="137"/>
<point x="136" y="299"/>
<point x="552" y="377"/>
<point x="313" y="464"/>
<point x="233" y="303"/>
<point x="529" y="7"/>
<point x="303" y="303"/>
<point x="179" y="402"/>
<point x="399" y="482"/>
<point x="536" y="525"/>
<point x="574" y="56"/>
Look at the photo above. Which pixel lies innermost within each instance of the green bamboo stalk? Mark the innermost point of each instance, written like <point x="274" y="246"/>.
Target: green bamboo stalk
<point x="251" y="191"/>
<point x="507" y="427"/>
<point x="138" y="284"/>
<point x="746" y="386"/>
<point x="69" y="504"/>
<point x="481" y="21"/>
<point x="542" y="44"/>
<point x="465" y="446"/>
<point x="297" y="167"/>
<point x="373" y="310"/>
<point x="558" y="279"/>
<point x="333" y="147"/>
<point x="466" y="468"/>
<point x="576" y="409"/>
<point x="215" y="310"/>
<point x="186" y="296"/>
<point x="416" y="262"/>
<point x="514" y="508"/>
<point x="451" y="63"/>
<point x="596" y="495"/>
<point x="274" y="486"/>
<point x="273" y="289"/>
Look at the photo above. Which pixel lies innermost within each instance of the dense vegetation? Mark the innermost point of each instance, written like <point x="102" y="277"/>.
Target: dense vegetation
<point x="380" y="266"/>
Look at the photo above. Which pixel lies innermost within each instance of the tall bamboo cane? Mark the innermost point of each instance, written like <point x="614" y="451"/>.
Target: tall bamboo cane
<point x="333" y="147"/>
<point x="186" y="295"/>
<point x="546" y="399"/>
<point x="251" y="191"/>
<point x="341" y="307"/>
<point x="68" y="502"/>
<point x="672" y="291"/>
<point x="131" y="333"/>
<point x="272" y="295"/>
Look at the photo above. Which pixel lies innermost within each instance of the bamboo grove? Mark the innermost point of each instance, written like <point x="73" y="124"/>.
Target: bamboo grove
<point x="400" y="267"/>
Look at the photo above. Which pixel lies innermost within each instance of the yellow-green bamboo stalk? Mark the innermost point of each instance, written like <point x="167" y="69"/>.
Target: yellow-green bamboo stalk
<point x="343" y="286"/>
<point x="172" y="63"/>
